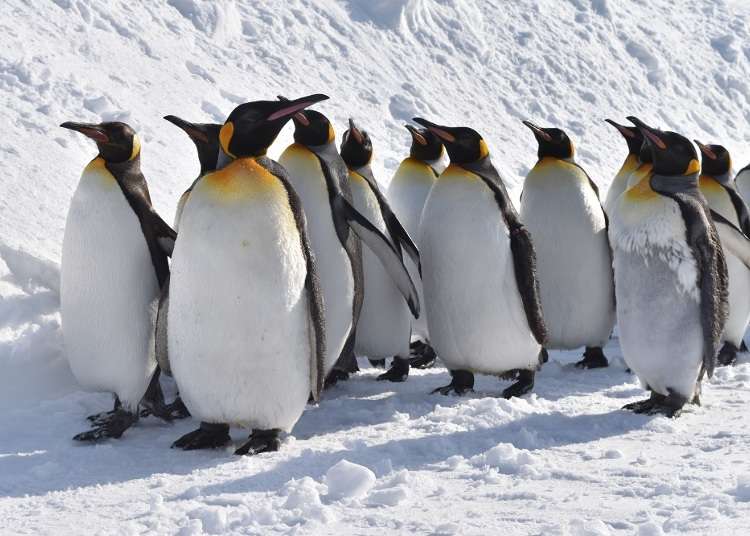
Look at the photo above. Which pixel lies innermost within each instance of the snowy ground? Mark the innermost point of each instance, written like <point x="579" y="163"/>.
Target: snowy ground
<point x="564" y="460"/>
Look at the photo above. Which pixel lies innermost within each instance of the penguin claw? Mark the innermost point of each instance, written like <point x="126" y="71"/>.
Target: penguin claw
<point x="111" y="427"/>
<point x="523" y="386"/>
<point x="670" y="406"/>
<point x="178" y="409"/>
<point x="451" y="388"/>
<point x="101" y="417"/>
<point x="398" y="372"/>
<point x="593" y="358"/>
<point x="208" y="436"/>
<point x="260" y="441"/>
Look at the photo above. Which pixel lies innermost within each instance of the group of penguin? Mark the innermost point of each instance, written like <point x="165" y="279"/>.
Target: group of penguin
<point x="281" y="273"/>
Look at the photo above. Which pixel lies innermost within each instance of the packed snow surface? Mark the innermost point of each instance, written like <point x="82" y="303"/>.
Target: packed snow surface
<point x="371" y="457"/>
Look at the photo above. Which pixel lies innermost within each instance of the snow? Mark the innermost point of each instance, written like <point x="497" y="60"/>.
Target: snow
<point x="371" y="457"/>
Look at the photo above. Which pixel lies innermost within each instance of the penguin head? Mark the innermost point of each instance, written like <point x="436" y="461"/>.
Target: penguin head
<point x="356" y="146"/>
<point x="553" y="142"/>
<point x="715" y="159"/>
<point x="117" y="142"/>
<point x="672" y="153"/>
<point x="252" y="127"/>
<point x="311" y="128"/>
<point x="644" y="155"/>
<point x="464" y="144"/>
<point x="205" y="136"/>
<point x="632" y="135"/>
<point x="425" y="145"/>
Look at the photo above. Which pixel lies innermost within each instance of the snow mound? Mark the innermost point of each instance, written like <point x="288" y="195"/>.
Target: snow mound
<point x="742" y="492"/>
<point x="508" y="459"/>
<point x="347" y="480"/>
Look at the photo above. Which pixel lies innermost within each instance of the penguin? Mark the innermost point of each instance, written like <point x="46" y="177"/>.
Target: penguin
<point x="643" y="169"/>
<point x="114" y="265"/>
<point x="671" y="277"/>
<point x="716" y="185"/>
<point x="384" y="327"/>
<point x="742" y="183"/>
<point x="481" y="292"/>
<point x="205" y="136"/>
<point x="320" y="176"/>
<point x="634" y="140"/>
<point x="560" y="207"/>
<point x="246" y="324"/>
<point x="407" y="193"/>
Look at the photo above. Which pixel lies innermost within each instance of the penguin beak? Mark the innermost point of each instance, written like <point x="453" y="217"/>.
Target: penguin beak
<point x="355" y="132"/>
<point x="441" y="132"/>
<point x="649" y="133"/>
<point x="625" y="131"/>
<point x="538" y="131"/>
<point x="706" y="150"/>
<point x="195" y="132"/>
<point x="416" y="135"/>
<point x="95" y="132"/>
<point x="292" y="107"/>
<point x="299" y="116"/>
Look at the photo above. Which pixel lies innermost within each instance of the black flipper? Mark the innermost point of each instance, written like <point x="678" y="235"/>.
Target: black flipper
<point x="160" y="339"/>
<point x="383" y="249"/>
<point x="522" y="248"/>
<point x="740" y="207"/>
<point x="732" y="238"/>
<point x="312" y="281"/>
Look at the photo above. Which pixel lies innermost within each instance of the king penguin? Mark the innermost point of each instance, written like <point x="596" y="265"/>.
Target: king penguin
<point x="634" y="140"/>
<point x="478" y="264"/>
<point x="319" y="174"/>
<point x="114" y="264"/>
<point x="246" y="322"/>
<point x="560" y="207"/>
<point x="644" y="167"/>
<point x="384" y="327"/>
<point x="407" y="193"/>
<point x="717" y="187"/>
<point x="671" y="277"/>
<point x="742" y="183"/>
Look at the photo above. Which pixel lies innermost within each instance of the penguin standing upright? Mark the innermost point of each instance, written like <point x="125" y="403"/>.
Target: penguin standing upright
<point x="643" y="169"/>
<point x="478" y="267"/>
<point x="319" y="175"/>
<point x="114" y="264"/>
<point x="634" y="139"/>
<point x="671" y="277"/>
<point x="384" y="327"/>
<point x="715" y="183"/>
<point x="560" y="207"/>
<point x="246" y="322"/>
<point x="742" y="183"/>
<point x="407" y="193"/>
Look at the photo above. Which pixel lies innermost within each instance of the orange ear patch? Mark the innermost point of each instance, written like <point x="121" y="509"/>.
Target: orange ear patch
<point x="693" y="167"/>
<point x="225" y="137"/>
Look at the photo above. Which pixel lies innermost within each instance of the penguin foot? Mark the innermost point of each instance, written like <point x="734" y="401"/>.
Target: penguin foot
<point x="153" y="400"/>
<point x="462" y="383"/>
<point x="593" y="357"/>
<point x="669" y="406"/>
<point x="524" y="384"/>
<point x="260" y="441"/>
<point x="743" y="347"/>
<point x="112" y="426"/>
<point x="543" y="356"/>
<point x="208" y="436"/>
<point x="178" y="409"/>
<point x="424" y="357"/>
<point x="377" y="363"/>
<point x="102" y="417"/>
<point x="398" y="372"/>
<point x="334" y="377"/>
<point x="727" y="355"/>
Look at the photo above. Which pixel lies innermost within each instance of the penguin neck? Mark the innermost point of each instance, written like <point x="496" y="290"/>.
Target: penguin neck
<point x="675" y="184"/>
<point x="123" y="169"/>
<point x="326" y="151"/>
<point x="223" y="159"/>
<point x="437" y="165"/>
<point x="725" y="179"/>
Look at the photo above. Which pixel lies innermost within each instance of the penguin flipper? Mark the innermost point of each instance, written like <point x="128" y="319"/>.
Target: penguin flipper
<point x="160" y="338"/>
<point x="743" y="214"/>
<point x="380" y="246"/>
<point x="732" y="238"/>
<point x="165" y="235"/>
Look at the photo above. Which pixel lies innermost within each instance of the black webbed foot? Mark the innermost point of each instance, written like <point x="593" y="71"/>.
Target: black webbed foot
<point x="523" y="385"/>
<point x="461" y="383"/>
<point x="377" y="363"/>
<point x="334" y="377"/>
<point x="398" y="372"/>
<point x="422" y="355"/>
<point x="260" y="441"/>
<point x="669" y="406"/>
<point x="96" y="418"/>
<point x="208" y="436"/>
<point x="727" y="355"/>
<point x="178" y="409"/>
<point x="153" y="400"/>
<point x="111" y="426"/>
<point x="593" y="357"/>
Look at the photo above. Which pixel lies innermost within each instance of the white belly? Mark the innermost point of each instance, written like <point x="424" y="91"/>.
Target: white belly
<point x="475" y="313"/>
<point x="574" y="265"/>
<point x="407" y="194"/>
<point x="334" y="267"/>
<point x="620" y="182"/>
<point x="384" y="324"/>
<point x="108" y="292"/>
<point x="742" y="181"/>
<point x="239" y="333"/>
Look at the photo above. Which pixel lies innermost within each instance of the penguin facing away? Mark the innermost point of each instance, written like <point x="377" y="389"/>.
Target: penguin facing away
<point x="671" y="277"/>
<point x="384" y="327"/>
<point x="742" y="183"/>
<point x="246" y="322"/>
<point x="478" y="265"/>
<point x="407" y="193"/>
<point x="114" y="264"/>
<point x="561" y="209"/>
<point x="319" y="175"/>
<point x="717" y="187"/>
<point x="634" y="140"/>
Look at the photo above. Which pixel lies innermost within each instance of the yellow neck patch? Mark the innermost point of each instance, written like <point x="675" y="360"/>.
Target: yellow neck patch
<point x="225" y="137"/>
<point x="136" y="147"/>
<point x="693" y="167"/>
<point x="642" y="190"/>
<point x="484" y="151"/>
<point x="331" y="133"/>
